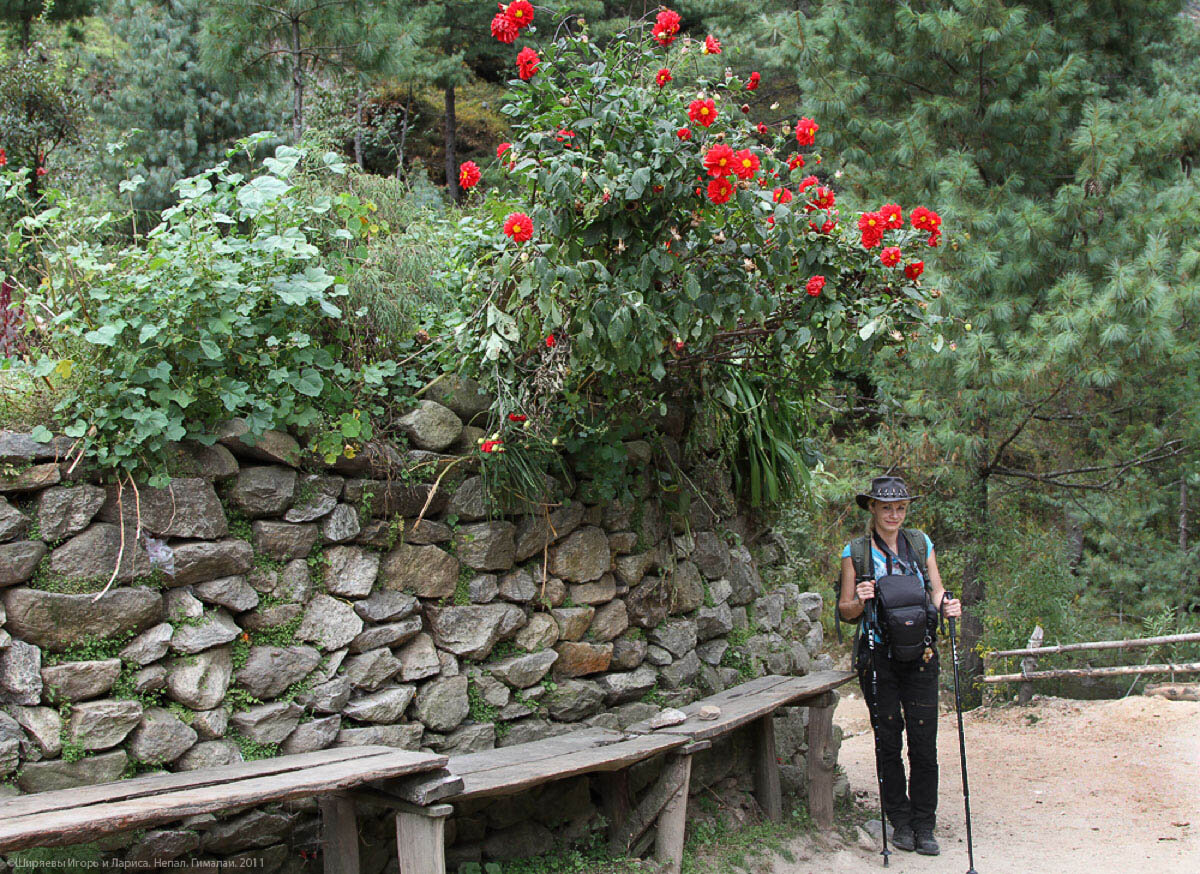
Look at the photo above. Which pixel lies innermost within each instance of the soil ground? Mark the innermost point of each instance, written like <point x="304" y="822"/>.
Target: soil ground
<point x="1062" y="786"/>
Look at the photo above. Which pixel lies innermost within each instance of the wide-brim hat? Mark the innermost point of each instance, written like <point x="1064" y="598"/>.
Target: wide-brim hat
<point x="888" y="489"/>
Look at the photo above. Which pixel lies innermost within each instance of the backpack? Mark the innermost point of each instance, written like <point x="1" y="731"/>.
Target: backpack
<point x="864" y="570"/>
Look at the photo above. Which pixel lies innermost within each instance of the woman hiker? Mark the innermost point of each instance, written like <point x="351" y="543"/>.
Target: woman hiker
<point x="899" y="678"/>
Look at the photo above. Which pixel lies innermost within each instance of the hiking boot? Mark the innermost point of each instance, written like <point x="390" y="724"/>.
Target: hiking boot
<point x="902" y="838"/>
<point x="925" y="843"/>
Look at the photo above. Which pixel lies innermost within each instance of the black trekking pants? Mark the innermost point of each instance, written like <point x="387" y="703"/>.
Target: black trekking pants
<point x="907" y="698"/>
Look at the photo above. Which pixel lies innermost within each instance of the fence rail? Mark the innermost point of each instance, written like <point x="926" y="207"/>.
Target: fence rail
<point x="1134" y="643"/>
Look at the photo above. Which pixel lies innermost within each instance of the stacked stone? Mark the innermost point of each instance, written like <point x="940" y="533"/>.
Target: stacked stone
<point x="493" y="630"/>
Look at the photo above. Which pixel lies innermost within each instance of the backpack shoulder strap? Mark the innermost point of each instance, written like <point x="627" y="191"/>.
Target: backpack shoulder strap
<point x="858" y="555"/>
<point x="916" y="543"/>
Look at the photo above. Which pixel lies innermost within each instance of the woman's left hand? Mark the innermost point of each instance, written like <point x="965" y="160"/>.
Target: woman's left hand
<point x="952" y="607"/>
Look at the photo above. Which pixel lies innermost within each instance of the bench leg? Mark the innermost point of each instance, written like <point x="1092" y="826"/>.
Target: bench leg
<point x="766" y="769"/>
<point x="821" y="761"/>
<point x="339" y="826"/>
<point x="421" y="839"/>
<point x="614" y="795"/>
<point x="668" y="841"/>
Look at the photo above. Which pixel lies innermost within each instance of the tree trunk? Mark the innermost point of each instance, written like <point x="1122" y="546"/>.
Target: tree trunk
<point x="1183" y="514"/>
<point x="26" y="33"/>
<point x="1189" y="573"/>
<point x="974" y="585"/>
<point x="451" y="158"/>
<point x="404" y="133"/>
<point x="358" y="125"/>
<point x="297" y="83"/>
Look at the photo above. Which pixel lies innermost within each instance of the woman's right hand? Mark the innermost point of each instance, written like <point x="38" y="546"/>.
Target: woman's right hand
<point x="865" y="590"/>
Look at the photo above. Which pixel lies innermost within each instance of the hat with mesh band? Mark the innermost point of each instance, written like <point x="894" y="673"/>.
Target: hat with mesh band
<point x="885" y="488"/>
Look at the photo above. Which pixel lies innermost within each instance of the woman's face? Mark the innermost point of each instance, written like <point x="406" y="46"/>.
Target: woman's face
<point x="889" y="515"/>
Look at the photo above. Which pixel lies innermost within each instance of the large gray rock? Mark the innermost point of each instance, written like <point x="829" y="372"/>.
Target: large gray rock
<point x="628" y="653"/>
<point x="149" y="646"/>
<point x="329" y="623"/>
<point x="483" y="588"/>
<point x="211" y="724"/>
<point x="743" y="577"/>
<point x="648" y="602"/>
<point x="630" y="569"/>
<point x="419" y="659"/>
<point x="270" y="670"/>
<point x="767" y="612"/>
<point x="267" y="723"/>
<point x="426" y="571"/>
<point x="714" y="621"/>
<point x="540" y="632"/>
<point x="284" y="541"/>
<point x="386" y="606"/>
<point x="610" y="621"/>
<point x="387" y="705"/>
<point x="465" y="739"/>
<point x="264" y="491"/>
<point x="78" y="681"/>
<point x="13" y="523"/>
<point x="711" y="652"/>
<point x="315" y="497"/>
<point x="811" y="604"/>
<point x="21" y="674"/>
<point x="442" y="704"/>
<point x="582" y="557"/>
<point x="711" y="555"/>
<point x="486" y="546"/>
<point x="383" y="498"/>
<point x="19" y="447"/>
<point x="518" y="586"/>
<point x="682" y="672"/>
<point x="92" y="555"/>
<point x="274" y="447"/>
<point x="57" y="774"/>
<point x="182" y="606"/>
<point x="431" y="426"/>
<point x="200" y="681"/>
<point x="391" y="634"/>
<point x="210" y="462"/>
<point x="371" y="669"/>
<point x="160" y="737"/>
<point x="184" y="508"/>
<point x="31" y="479"/>
<point x="162" y="845"/>
<point x="63" y="511"/>
<point x="523" y="671"/>
<point x="257" y="828"/>
<point x="209" y="754"/>
<point x="473" y="630"/>
<point x="687" y="588"/>
<point x="208" y="560"/>
<point x="460" y="394"/>
<point x="579" y="658"/>
<point x="341" y="525"/>
<point x="44" y="725"/>
<point x="628" y="685"/>
<point x="677" y="636"/>
<point x="328" y="697"/>
<point x="316" y="734"/>
<point x="100" y="725"/>
<point x="596" y="593"/>
<point x="350" y="571"/>
<point x="56" y="622"/>
<point x="469" y="501"/>
<point x="573" y="700"/>
<point x="402" y="737"/>
<point x="536" y="532"/>
<point x="573" y="622"/>
<point x="19" y="560"/>
<point x="211" y="630"/>
<point x="231" y="592"/>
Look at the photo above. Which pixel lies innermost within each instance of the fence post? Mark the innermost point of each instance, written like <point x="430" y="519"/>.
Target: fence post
<point x="1028" y="664"/>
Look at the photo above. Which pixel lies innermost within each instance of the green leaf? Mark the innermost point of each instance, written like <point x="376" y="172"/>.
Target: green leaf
<point x="105" y="335"/>
<point x="257" y="193"/>
<point x="308" y="383"/>
<point x="41" y="434"/>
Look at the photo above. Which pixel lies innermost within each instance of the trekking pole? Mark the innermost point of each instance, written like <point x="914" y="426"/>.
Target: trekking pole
<point x="962" y="748"/>
<point x="869" y="607"/>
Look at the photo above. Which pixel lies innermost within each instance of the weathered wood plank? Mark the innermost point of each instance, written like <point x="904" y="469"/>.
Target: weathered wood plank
<point x="739" y="709"/>
<point x="617" y="804"/>
<point x="672" y="823"/>
<point x="421" y="841"/>
<point x="425" y="789"/>
<point x="821" y="761"/>
<point x="678" y="768"/>
<point x="63" y="799"/>
<point x="766" y="769"/>
<point x="72" y="826"/>
<point x="339" y="831"/>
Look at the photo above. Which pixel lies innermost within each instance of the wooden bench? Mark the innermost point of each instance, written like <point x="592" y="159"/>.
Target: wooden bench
<point x="421" y="808"/>
<point x="71" y="816"/>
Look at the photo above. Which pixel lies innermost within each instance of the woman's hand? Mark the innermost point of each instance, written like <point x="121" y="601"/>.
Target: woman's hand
<point x="951" y="607"/>
<point x="865" y="590"/>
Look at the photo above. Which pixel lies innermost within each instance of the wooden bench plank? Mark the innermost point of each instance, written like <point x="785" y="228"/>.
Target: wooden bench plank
<point x="72" y="826"/>
<point x="515" y="769"/>
<point x="748" y="705"/>
<point x="63" y="799"/>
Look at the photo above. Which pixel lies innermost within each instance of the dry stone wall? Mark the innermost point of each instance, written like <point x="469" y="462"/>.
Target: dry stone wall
<point x="271" y="605"/>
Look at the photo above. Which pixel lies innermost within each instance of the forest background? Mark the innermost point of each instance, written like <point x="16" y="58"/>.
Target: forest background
<point x="1050" y="427"/>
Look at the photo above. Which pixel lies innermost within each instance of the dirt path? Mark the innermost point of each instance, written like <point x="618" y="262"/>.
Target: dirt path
<point x="1068" y="787"/>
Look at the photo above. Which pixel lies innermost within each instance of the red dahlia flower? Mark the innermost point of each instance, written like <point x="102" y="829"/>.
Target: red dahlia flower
<point x="752" y="85"/>
<point x="822" y="198"/>
<point x="934" y="239"/>
<point x="807" y="182"/>
<point x="520" y="12"/>
<point x="914" y="270"/>
<point x="718" y="160"/>
<point x="666" y="27"/>
<point x="926" y="220"/>
<point x="684" y="133"/>
<point x="782" y="195"/>
<point x="745" y="164"/>
<point x="468" y="174"/>
<point x="702" y="112"/>
<point x="527" y="62"/>
<point x="890" y="256"/>
<point x="712" y="46"/>
<point x="502" y="148"/>
<point x="663" y="77"/>
<point x="814" y="285"/>
<point x="720" y="190"/>
<point x="762" y="128"/>
<point x="518" y="226"/>
<point x="871" y="224"/>
<point x="892" y="215"/>
<point x="795" y="162"/>
<point x="504" y="29"/>
<point x="517" y="417"/>
<point x="3" y="157"/>
<point x="806" y="131"/>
